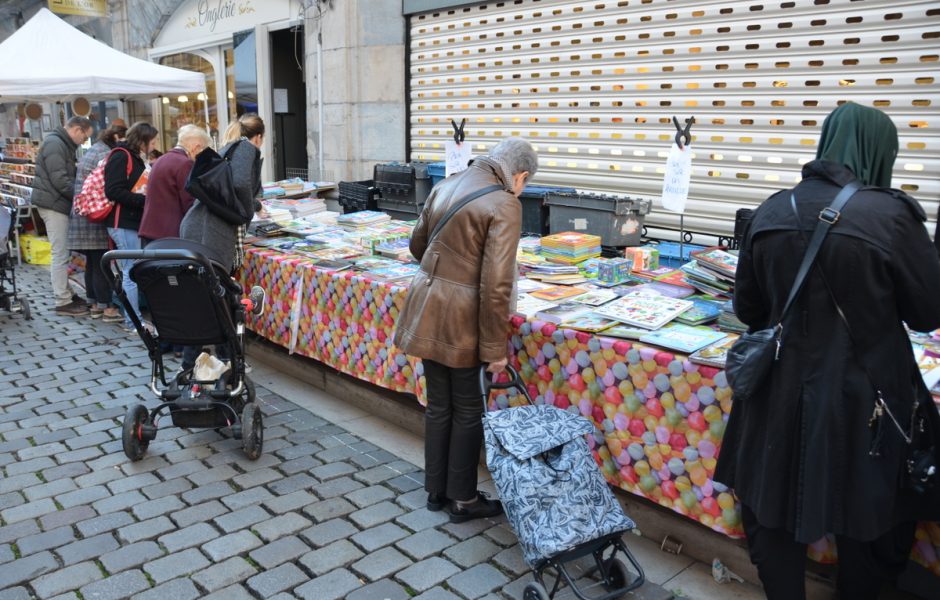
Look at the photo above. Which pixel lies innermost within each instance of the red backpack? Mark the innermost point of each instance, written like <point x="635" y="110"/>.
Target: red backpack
<point x="92" y="203"/>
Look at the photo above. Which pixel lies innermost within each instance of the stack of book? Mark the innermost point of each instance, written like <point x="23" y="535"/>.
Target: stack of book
<point x="729" y="321"/>
<point x="701" y="312"/>
<point x="571" y="247"/>
<point x="712" y="271"/>
<point x="396" y="248"/>
<point x="530" y="243"/>
<point x="556" y="274"/>
<point x="298" y="207"/>
<point x="362" y="219"/>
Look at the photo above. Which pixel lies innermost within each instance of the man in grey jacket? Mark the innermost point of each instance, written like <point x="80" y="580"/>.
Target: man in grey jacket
<point x="52" y="196"/>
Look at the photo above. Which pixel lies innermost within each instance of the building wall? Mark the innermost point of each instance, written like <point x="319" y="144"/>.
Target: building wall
<point x="363" y="73"/>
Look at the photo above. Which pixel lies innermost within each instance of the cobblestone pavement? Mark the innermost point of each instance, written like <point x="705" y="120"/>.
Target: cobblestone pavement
<point x="322" y="514"/>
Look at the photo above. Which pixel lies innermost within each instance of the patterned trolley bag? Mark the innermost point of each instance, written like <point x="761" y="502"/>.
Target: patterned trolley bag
<point x="554" y="494"/>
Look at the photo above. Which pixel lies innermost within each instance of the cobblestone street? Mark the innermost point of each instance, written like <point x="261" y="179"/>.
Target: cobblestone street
<point x="322" y="514"/>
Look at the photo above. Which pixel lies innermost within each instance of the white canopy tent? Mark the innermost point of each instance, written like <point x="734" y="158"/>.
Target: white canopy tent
<point x="48" y="60"/>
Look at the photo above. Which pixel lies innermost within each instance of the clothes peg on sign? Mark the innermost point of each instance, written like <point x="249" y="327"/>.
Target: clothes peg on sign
<point x="459" y="136"/>
<point x="683" y="134"/>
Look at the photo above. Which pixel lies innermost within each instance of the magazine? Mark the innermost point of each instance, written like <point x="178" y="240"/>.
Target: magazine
<point x="683" y="338"/>
<point x="642" y="310"/>
<point x="715" y="354"/>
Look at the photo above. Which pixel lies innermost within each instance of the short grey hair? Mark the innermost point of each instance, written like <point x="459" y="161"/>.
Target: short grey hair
<point x="517" y="154"/>
<point x="193" y="133"/>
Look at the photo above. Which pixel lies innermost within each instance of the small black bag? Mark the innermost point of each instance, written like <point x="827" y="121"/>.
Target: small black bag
<point x="752" y="356"/>
<point x="211" y="182"/>
<point x="920" y="464"/>
<point x="750" y="359"/>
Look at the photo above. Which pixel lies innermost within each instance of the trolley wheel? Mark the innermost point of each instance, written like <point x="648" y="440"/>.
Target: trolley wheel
<point x="132" y="438"/>
<point x="618" y="577"/>
<point x="252" y="431"/>
<point x="24" y="308"/>
<point x="535" y="591"/>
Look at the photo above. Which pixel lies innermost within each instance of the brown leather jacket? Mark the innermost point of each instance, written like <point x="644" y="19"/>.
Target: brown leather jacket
<point x="457" y="309"/>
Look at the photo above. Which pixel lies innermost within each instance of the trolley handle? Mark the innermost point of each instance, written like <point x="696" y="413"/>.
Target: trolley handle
<point x="486" y="385"/>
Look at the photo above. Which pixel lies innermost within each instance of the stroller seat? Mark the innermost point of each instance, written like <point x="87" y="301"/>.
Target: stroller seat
<point x="10" y="300"/>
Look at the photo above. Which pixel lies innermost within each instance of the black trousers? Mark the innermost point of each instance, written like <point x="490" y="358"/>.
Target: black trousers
<point x="97" y="282"/>
<point x="864" y="567"/>
<point x="453" y="430"/>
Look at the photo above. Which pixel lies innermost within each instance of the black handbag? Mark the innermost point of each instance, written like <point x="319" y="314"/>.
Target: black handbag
<point x="752" y="356"/>
<point x="211" y="182"/>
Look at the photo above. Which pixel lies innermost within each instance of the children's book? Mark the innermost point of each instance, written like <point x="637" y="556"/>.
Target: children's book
<point x="530" y="285"/>
<point x="702" y="311"/>
<point x="399" y="271"/>
<point x="683" y="338"/>
<point x="589" y="322"/>
<point x="558" y="292"/>
<point x="595" y="297"/>
<point x="562" y="312"/>
<point x="626" y="332"/>
<point x="714" y="355"/>
<point x="674" y="277"/>
<point x="642" y="310"/>
<point x="368" y="263"/>
<point x="528" y="305"/>
<point x="666" y="289"/>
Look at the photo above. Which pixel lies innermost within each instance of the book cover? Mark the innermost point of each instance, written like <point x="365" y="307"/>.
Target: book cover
<point x="702" y="311"/>
<point x="399" y="271"/>
<point x="644" y="310"/>
<point x="558" y="292"/>
<point x="674" y="277"/>
<point x="589" y="322"/>
<point x="626" y="332"/>
<point x="527" y="305"/>
<point x="595" y="297"/>
<point x="562" y="312"/>
<point x="714" y="355"/>
<point x="530" y="285"/>
<point x="683" y="338"/>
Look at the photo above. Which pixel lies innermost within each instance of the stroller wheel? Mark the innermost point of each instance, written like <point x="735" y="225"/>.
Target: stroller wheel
<point x="535" y="591"/>
<point x="24" y="308"/>
<point x="252" y="431"/>
<point x="618" y="577"/>
<point x="249" y="391"/>
<point x="132" y="437"/>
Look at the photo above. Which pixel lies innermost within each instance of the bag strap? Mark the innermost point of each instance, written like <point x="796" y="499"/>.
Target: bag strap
<point x="458" y="205"/>
<point x="827" y="218"/>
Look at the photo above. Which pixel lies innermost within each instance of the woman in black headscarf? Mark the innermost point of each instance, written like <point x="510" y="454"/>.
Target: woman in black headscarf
<point x="800" y="454"/>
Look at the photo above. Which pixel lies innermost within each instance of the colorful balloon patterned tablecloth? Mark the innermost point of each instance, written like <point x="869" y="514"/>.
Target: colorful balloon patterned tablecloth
<point x="659" y="417"/>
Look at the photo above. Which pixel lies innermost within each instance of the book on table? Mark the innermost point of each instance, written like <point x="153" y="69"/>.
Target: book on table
<point x="644" y="310"/>
<point x="718" y="259"/>
<point x="596" y="297"/>
<point x="588" y="321"/>
<point x="562" y="312"/>
<point x="627" y="332"/>
<point x="683" y="338"/>
<point x="528" y="305"/>
<point x="701" y="311"/>
<point x="558" y="292"/>
<point x="714" y="355"/>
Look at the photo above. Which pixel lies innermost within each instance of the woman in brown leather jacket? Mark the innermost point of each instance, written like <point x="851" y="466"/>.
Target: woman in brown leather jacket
<point x="456" y="316"/>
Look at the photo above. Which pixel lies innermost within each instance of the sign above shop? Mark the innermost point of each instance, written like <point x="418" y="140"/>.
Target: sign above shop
<point x="85" y="8"/>
<point x="197" y="20"/>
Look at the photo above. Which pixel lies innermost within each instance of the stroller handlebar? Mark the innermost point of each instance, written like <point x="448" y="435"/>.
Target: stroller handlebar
<point x="162" y="254"/>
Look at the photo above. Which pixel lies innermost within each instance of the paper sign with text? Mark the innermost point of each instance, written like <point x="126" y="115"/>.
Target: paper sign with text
<point x="457" y="157"/>
<point x="676" y="180"/>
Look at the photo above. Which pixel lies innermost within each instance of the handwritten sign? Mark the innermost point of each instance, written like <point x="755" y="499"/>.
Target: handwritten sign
<point x="676" y="180"/>
<point x="457" y="157"/>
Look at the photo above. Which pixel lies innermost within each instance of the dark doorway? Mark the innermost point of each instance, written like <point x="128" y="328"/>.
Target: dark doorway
<point x="289" y="101"/>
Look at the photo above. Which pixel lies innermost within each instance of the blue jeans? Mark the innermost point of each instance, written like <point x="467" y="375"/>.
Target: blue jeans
<point x="127" y="239"/>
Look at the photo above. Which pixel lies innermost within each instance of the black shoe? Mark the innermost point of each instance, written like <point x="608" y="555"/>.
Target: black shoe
<point x="436" y="502"/>
<point x="482" y="508"/>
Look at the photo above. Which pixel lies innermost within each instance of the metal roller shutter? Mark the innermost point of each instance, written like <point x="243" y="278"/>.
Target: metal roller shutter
<point x="594" y="86"/>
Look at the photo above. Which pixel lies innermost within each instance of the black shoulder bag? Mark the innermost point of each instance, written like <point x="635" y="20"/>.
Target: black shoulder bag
<point x="211" y="182"/>
<point x="754" y="353"/>
<point x="920" y="460"/>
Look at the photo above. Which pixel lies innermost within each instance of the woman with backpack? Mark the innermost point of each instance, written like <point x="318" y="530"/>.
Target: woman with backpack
<point x="91" y="239"/>
<point x="125" y="181"/>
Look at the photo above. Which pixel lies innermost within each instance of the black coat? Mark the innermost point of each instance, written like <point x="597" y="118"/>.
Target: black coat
<point x="118" y="186"/>
<point x="55" y="172"/>
<point x="798" y="453"/>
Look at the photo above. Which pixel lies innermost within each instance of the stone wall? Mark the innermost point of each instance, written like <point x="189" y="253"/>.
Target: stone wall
<point x="363" y="70"/>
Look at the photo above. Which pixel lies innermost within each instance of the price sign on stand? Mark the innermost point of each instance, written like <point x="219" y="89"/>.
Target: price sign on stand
<point x="676" y="181"/>
<point x="457" y="157"/>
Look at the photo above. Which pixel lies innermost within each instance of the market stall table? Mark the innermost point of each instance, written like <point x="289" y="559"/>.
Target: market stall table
<point x="660" y="418"/>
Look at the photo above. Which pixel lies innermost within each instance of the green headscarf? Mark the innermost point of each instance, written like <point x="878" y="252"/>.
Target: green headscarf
<point x="863" y="139"/>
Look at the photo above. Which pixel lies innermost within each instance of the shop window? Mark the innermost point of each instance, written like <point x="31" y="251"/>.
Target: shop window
<point x="189" y="109"/>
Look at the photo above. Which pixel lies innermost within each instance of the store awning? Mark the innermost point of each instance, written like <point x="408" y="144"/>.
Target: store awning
<point x="48" y="60"/>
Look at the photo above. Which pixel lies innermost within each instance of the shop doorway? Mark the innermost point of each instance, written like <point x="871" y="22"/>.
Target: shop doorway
<point x="289" y="102"/>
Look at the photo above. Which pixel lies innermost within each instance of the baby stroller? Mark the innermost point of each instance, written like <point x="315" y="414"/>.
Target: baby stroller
<point x="193" y="302"/>
<point x="555" y="497"/>
<point x="9" y="299"/>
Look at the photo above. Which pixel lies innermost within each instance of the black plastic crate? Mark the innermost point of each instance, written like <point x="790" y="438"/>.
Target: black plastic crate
<point x="617" y="219"/>
<point x="358" y="195"/>
<point x="534" y="209"/>
<point x="403" y="183"/>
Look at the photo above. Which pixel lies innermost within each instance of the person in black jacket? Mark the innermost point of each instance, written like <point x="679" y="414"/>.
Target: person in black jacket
<point x="125" y="182"/>
<point x="52" y="196"/>
<point x="809" y="454"/>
